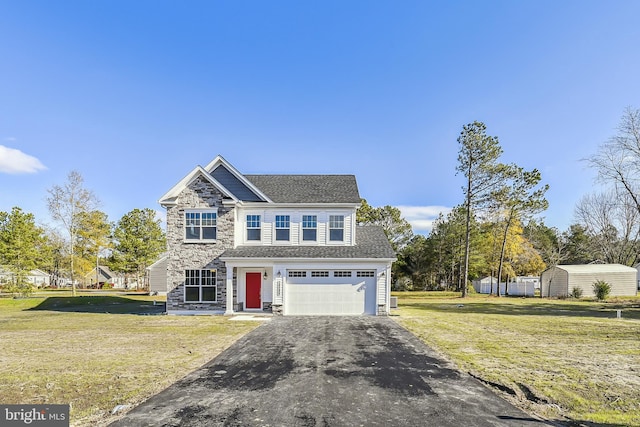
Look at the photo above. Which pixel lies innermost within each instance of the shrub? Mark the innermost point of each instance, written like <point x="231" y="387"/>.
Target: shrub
<point x="107" y="286"/>
<point x="576" y="293"/>
<point x="602" y="289"/>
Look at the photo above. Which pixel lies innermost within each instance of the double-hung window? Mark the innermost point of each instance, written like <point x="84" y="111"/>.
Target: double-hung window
<point x="309" y="227"/>
<point x="336" y="227"/>
<point x="200" y="285"/>
<point x="282" y="227"/>
<point x="200" y="225"/>
<point x="253" y="227"/>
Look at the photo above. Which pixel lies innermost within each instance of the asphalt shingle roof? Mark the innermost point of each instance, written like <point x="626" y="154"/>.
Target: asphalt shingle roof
<point x="371" y="243"/>
<point x="308" y="188"/>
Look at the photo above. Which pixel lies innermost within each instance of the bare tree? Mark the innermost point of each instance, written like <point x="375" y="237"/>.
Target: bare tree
<point x="613" y="223"/>
<point x="67" y="204"/>
<point x="618" y="159"/>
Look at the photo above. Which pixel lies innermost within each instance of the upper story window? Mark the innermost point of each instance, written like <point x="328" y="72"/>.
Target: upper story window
<point x="253" y="227"/>
<point x="336" y="227"/>
<point x="309" y="227"/>
<point x="282" y="227"/>
<point x="200" y="225"/>
<point x="200" y="285"/>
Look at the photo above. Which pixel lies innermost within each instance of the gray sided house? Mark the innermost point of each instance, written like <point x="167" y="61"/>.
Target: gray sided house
<point x="560" y="280"/>
<point x="157" y="274"/>
<point x="287" y="244"/>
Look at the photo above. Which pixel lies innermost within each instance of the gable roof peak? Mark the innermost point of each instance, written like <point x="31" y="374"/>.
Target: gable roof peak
<point x="169" y="197"/>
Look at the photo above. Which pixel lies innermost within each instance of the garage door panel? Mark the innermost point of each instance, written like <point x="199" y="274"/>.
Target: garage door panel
<point x="330" y="298"/>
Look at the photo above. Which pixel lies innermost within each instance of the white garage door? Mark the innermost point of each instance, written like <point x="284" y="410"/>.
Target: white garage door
<point x="353" y="295"/>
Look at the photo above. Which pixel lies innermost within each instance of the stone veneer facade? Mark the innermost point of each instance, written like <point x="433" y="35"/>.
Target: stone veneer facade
<point x="182" y="255"/>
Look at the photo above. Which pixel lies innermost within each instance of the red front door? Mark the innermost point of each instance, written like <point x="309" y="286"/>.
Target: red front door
<point x="254" y="283"/>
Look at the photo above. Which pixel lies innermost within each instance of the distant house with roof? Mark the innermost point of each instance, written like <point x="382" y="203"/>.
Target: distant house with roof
<point x="104" y="275"/>
<point x="36" y="277"/>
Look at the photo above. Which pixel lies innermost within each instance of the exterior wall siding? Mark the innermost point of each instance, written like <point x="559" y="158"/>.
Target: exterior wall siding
<point x="563" y="282"/>
<point x="182" y="256"/>
<point x="622" y="283"/>
<point x="158" y="277"/>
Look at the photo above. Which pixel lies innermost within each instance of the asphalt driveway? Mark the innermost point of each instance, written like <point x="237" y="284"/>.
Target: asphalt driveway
<point x="327" y="371"/>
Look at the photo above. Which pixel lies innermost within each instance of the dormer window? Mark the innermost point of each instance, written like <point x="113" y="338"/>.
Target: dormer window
<point x="336" y="228"/>
<point x="253" y="227"/>
<point x="200" y="225"/>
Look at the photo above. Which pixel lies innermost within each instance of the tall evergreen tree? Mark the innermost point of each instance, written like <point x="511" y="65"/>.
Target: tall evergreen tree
<point x="478" y="161"/>
<point x="139" y="240"/>
<point x="21" y="246"/>
<point x="396" y="228"/>
<point x="519" y="199"/>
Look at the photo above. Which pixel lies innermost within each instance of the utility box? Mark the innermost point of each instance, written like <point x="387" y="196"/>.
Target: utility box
<point x="394" y="302"/>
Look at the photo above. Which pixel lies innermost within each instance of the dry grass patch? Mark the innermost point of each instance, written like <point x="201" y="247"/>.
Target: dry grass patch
<point x="560" y="359"/>
<point x="96" y="360"/>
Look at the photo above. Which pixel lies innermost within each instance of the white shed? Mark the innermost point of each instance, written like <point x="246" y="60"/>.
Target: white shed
<point x="487" y="284"/>
<point x="560" y="280"/>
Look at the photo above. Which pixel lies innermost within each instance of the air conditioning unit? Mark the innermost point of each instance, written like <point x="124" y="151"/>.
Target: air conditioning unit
<point x="394" y="302"/>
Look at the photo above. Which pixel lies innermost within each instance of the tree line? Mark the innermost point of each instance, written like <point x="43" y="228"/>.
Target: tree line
<point x="496" y="230"/>
<point x="83" y="239"/>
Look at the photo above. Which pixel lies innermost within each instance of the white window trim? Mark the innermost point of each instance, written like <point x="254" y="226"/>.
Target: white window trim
<point x="302" y="228"/>
<point x="276" y="228"/>
<point x="344" y="228"/>
<point x="200" y="286"/>
<point x="184" y="226"/>
<point x="247" y="228"/>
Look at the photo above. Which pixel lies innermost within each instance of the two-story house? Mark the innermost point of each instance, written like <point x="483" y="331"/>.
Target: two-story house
<point x="283" y="243"/>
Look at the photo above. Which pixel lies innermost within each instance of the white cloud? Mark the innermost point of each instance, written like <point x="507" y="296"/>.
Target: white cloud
<point x="15" y="161"/>
<point x="421" y="217"/>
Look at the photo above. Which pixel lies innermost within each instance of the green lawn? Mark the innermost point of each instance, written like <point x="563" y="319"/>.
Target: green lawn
<point x="96" y="352"/>
<point x="562" y="359"/>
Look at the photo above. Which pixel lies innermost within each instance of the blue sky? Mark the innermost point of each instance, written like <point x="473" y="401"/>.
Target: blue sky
<point x="135" y="94"/>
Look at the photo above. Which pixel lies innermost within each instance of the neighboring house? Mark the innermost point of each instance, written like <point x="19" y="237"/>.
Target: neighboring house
<point x="157" y="274"/>
<point x="37" y="278"/>
<point x="560" y="280"/>
<point x="105" y="275"/>
<point x="283" y="243"/>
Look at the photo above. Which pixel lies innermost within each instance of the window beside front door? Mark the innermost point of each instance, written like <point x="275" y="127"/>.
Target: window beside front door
<point x="309" y="227"/>
<point x="200" y="285"/>
<point x="282" y="227"/>
<point x="336" y="227"/>
<point x="253" y="227"/>
<point x="200" y="225"/>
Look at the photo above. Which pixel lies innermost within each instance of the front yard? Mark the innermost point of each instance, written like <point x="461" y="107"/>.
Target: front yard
<point x="561" y="359"/>
<point x="97" y="352"/>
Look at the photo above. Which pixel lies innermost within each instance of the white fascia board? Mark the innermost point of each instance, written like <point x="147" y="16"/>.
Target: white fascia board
<point x="316" y="206"/>
<point x="219" y="160"/>
<point x="188" y="179"/>
<point x="244" y="262"/>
